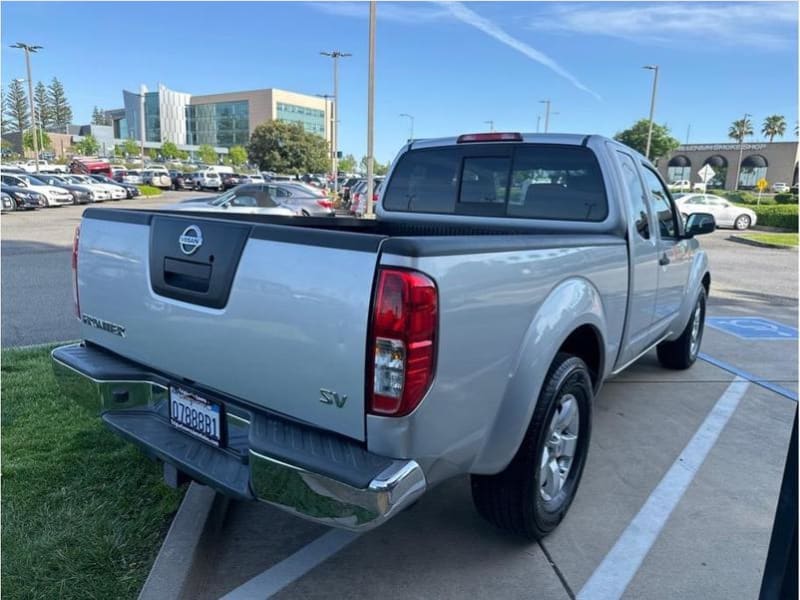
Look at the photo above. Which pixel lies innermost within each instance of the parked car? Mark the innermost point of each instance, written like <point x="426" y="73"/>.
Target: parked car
<point x="359" y="205"/>
<point x="478" y="351"/>
<point x="256" y="178"/>
<point x="157" y="177"/>
<point x="131" y="190"/>
<point x="358" y="188"/>
<point x="779" y="188"/>
<point x="206" y="180"/>
<point x="682" y="185"/>
<point x="244" y="199"/>
<point x="132" y="177"/>
<point x="9" y="203"/>
<point x="81" y="193"/>
<point x="725" y="213"/>
<point x="24" y="197"/>
<point x="230" y="180"/>
<point x="54" y="195"/>
<point x="277" y="177"/>
<point x="117" y="192"/>
<point x="304" y="199"/>
<point x="30" y="166"/>
<point x="346" y="187"/>
<point x="181" y="181"/>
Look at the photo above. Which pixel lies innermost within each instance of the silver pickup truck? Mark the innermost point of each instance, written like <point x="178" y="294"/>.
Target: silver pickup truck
<point x="339" y="368"/>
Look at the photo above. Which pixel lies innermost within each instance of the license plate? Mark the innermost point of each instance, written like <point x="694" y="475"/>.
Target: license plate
<point x="194" y="414"/>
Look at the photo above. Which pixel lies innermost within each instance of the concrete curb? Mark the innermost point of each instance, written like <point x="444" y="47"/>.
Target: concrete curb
<point x="201" y="512"/>
<point x="741" y="240"/>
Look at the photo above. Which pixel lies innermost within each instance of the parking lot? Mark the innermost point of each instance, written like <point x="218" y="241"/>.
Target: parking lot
<point x="677" y="498"/>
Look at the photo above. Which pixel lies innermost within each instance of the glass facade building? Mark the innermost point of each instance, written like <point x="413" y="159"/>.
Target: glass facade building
<point x="152" y="117"/>
<point x="312" y="119"/>
<point x="223" y="124"/>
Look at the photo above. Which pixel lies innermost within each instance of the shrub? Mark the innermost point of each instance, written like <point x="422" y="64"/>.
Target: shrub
<point x="780" y="215"/>
<point x="786" y="198"/>
<point x="149" y="190"/>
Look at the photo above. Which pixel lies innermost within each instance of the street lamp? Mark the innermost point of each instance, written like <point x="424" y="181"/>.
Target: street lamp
<point x="327" y="98"/>
<point x="741" y="150"/>
<point x="28" y="48"/>
<point x="654" y="69"/>
<point x="411" y="125"/>
<point x="490" y="123"/>
<point x="546" y="114"/>
<point x="371" y="106"/>
<point x="335" y="55"/>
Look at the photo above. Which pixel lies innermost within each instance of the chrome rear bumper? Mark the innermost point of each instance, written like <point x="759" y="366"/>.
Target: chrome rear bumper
<point x="133" y="403"/>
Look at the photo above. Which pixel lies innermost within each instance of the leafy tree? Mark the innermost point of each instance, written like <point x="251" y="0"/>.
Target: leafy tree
<point x="169" y="150"/>
<point x="377" y="167"/>
<point x="740" y="129"/>
<point x="237" y="155"/>
<point x="661" y="144"/>
<point x="207" y="154"/>
<point x="131" y="148"/>
<point x="41" y="104"/>
<point x="347" y="163"/>
<point x="774" y="125"/>
<point x="99" y="117"/>
<point x="16" y="107"/>
<point x="287" y="148"/>
<point x="88" y="145"/>
<point x="60" y="110"/>
<point x="182" y="155"/>
<point x="152" y="153"/>
<point x="41" y="138"/>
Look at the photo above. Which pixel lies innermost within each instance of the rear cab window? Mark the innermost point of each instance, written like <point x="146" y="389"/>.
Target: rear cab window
<point x="528" y="181"/>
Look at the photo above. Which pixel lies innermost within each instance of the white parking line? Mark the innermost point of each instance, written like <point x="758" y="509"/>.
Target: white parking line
<point x="620" y="565"/>
<point x="290" y="569"/>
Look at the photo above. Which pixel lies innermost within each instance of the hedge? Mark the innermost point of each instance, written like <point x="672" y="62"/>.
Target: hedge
<point x="779" y="215"/>
<point x="742" y="197"/>
<point x="786" y="198"/>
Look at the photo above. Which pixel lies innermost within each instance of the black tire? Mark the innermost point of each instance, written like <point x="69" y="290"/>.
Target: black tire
<point x="511" y="499"/>
<point x="681" y="354"/>
<point x="742" y="222"/>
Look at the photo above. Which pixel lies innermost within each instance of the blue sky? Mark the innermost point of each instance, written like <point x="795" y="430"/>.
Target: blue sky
<point x="452" y="66"/>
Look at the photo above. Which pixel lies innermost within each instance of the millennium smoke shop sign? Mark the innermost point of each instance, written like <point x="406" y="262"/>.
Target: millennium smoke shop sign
<point x="720" y="147"/>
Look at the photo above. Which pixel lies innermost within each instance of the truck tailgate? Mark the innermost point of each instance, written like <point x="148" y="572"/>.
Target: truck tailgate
<point x="269" y="314"/>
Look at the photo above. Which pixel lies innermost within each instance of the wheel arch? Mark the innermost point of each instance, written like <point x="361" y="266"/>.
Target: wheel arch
<point x="572" y="319"/>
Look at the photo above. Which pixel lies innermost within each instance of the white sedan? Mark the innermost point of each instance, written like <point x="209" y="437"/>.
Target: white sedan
<point x="725" y="213"/>
<point x="117" y="192"/>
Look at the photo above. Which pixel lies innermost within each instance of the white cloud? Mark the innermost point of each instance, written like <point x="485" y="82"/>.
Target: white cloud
<point x="754" y="24"/>
<point x="470" y="17"/>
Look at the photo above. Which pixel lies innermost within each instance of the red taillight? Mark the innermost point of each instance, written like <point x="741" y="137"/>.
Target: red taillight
<point x="489" y="137"/>
<point x="75" y="300"/>
<point x="325" y="203"/>
<point x="402" y="341"/>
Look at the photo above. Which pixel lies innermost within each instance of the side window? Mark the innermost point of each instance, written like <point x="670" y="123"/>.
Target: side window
<point x="667" y="224"/>
<point x="424" y="181"/>
<point x="277" y="192"/>
<point x="636" y="194"/>
<point x="244" y="200"/>
<point x="696" y="200"/>
<point x="484" y="180"/>
<point x="264" y="197"/>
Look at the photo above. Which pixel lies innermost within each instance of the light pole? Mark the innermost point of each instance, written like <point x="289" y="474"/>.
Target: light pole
<point x="654" y="69"/>
<point x="490" y="123"/>
<point x="335" y="55"/>
<point x="371" y="107"/>
<point x="28" y="48"/>
<point x="742" y="127"/>
<point x="37" y="118"/>
<point x="546" y="113"/>
<point x="411" y="125"/>
<point x="141" y="119"/>
<point x="327" y="98"/>
<point x="538" y="122"/>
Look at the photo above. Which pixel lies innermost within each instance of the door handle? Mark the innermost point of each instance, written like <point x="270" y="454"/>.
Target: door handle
<point x="664" y="260"/>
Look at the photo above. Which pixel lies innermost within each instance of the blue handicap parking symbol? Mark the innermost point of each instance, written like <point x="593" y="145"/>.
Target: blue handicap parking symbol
<point x="753" y="328"/>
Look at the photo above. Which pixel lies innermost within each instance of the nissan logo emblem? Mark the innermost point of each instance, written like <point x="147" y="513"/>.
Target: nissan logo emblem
<point x="191" y="239"/>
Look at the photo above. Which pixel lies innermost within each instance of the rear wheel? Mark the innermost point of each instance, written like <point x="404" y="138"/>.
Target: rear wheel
<point x="532" y="495"/>
<point x="681" y="353"/>
<point x="742" y="222"/>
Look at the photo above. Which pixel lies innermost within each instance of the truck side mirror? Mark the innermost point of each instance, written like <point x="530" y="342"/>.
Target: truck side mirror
<point x="699" y="224"/>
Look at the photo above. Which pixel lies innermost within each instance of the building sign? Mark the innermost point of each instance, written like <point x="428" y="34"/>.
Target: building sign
<point x="720" y="147"/>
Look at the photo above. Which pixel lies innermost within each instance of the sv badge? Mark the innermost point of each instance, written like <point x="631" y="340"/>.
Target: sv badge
<point x="331" y="397"/>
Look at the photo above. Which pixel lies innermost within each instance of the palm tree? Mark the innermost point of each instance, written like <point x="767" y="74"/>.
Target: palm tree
<point x="740" y="129"/>
<point x="774" y="125"/>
